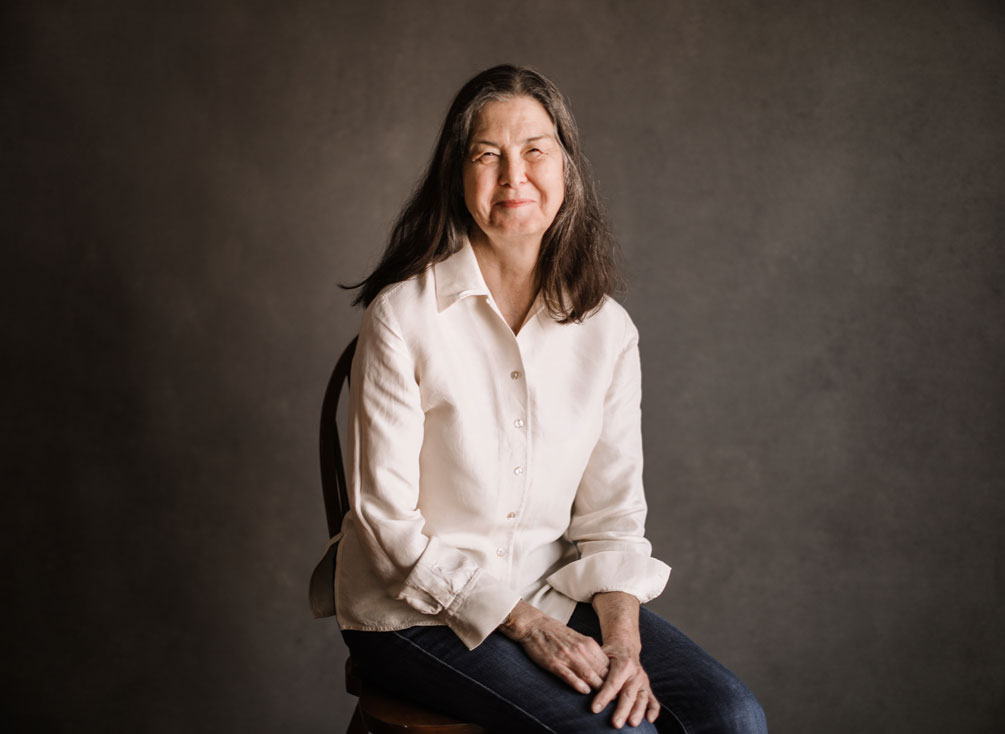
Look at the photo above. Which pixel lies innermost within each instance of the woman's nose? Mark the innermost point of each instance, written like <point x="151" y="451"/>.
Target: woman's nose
<point x="513" y="172"/>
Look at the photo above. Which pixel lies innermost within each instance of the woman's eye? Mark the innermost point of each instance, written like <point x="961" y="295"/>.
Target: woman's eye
<point x="534" y="152"/>
<point x="487" y="157"/>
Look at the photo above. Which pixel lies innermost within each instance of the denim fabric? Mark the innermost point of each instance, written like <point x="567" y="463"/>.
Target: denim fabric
<point x="497" y="686"/>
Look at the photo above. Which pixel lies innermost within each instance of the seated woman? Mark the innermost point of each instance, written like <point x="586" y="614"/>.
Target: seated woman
<point x="494" y="560"/>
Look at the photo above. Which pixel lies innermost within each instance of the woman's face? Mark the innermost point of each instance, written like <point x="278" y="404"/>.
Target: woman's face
<point x="514" y="178"/>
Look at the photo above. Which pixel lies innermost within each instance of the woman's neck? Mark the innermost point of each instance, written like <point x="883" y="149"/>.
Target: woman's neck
<point x="510" y="272"/>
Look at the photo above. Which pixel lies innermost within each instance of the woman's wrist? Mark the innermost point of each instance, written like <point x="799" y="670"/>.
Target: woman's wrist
<point x="519" y="621"/>
<point x="628" y="644"/>
<point x="618" y="614"/>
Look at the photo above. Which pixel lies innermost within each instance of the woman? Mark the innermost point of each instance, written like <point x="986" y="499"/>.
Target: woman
<point x="494" y="561"/>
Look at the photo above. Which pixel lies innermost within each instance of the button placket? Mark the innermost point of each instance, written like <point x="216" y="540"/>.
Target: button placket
<point x="516" y="402"/>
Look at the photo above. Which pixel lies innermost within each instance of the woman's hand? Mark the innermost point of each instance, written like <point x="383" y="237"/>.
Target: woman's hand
<point x="575" y="658"/>
<point x="628" y="682"/>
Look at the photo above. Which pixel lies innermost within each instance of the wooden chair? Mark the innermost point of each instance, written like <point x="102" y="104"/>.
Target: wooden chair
<point x="376" y="712"/>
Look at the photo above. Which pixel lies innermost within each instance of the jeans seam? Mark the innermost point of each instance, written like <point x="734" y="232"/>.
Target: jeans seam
<point x="479" y="684"/>
<point x="684" y="727"/>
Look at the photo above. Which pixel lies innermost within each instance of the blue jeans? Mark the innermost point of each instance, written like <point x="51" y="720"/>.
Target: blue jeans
<point x="497" y="686"/>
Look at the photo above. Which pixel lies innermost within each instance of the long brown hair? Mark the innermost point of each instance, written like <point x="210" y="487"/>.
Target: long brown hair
<point x="575" y="268"/>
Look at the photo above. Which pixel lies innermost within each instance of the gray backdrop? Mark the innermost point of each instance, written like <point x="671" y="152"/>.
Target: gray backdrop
<point x="809" y="198"/>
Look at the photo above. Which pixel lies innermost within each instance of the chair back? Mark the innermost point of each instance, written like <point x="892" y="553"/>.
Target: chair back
<point x="333" y="487"/>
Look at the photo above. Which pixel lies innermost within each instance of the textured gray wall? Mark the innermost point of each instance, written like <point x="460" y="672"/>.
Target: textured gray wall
<point x="810" y="200"/>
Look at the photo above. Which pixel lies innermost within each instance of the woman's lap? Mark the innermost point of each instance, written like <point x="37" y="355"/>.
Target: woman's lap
<point x="498" y="686"/>
<point x="694" y="689"/>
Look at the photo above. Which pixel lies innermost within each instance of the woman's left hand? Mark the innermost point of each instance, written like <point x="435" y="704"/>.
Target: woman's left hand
<point x="628" y="682"/>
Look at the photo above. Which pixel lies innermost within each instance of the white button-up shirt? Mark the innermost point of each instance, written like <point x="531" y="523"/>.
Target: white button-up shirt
<point x="487" y="467"/>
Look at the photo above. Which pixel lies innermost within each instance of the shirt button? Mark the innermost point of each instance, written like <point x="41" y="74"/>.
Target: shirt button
<point x="518" y="423"/>
<point x="500" y="552"/>
<point x="510" y="515"/>
<point x="518" y="470"/>
<point x="515" y="374"/>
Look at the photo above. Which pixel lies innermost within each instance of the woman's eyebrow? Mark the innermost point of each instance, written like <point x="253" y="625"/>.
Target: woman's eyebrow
<point x="535" y="138"/>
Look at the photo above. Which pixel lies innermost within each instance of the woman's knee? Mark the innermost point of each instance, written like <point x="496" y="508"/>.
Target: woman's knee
<point x="725" y="706"/>
<point x="739" y="711"/>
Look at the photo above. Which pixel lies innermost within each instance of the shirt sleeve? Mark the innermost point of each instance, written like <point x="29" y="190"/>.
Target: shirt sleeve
<point x="387" y="420"/>
<point x="609" y="512"/>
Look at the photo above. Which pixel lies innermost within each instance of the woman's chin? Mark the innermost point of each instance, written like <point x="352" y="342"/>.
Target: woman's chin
<point x="517" y="229"/>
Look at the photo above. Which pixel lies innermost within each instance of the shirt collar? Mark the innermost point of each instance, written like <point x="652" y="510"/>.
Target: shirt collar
<point x="458" y="277"/>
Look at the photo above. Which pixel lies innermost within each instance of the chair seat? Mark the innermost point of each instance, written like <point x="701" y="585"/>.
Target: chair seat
<point x="382" y="713"/>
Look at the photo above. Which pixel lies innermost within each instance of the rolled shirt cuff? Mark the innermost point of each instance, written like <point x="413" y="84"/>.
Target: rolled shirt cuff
<point x="642" y="576"/>
<point x="479" y="610"/>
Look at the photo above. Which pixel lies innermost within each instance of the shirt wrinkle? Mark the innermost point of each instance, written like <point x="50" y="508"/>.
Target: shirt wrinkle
<point x="486" y="467"/>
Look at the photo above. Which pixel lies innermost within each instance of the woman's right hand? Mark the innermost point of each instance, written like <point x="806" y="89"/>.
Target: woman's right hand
<point x="575" y="658"/>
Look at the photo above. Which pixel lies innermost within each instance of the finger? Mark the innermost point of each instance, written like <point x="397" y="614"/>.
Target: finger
<point x="653" y="709"/>
<point x="584" y="661"/>
<point x="600" y="661"/>
<point x="639" y="707"/>
<point x="606" y="693"/>
<point x="592" y="677"/>
<point x="625" y="702"/>
<point x="570" y="677"/>
<point x="584" y="671"/>
<point x="602" y="669"/>
<point x="614" y="682"/>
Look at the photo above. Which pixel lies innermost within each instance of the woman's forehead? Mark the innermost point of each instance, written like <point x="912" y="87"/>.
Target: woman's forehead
<point x="519" y="119"/>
